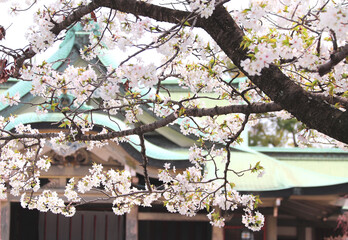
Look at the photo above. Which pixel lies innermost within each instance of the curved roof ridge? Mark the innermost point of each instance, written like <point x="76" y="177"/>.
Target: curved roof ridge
<point x="152" y="150"/>
<point x="21" y="87"/>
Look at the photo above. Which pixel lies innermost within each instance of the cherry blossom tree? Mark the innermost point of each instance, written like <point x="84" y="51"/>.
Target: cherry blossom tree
<point x="293" y="53"/>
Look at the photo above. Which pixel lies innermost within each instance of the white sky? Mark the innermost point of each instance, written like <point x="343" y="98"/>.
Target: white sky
<point x="18" y="24"/>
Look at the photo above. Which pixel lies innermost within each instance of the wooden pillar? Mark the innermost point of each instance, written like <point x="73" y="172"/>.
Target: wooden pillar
<point x="5" y="220"/>
<point x="217" y="233"/>
<point x="271" y="227"/>
<point x="309" y="233"/>
<point x="301" y="231"/>
<point x="132" y="224"/>
<point x="304" y="233"/>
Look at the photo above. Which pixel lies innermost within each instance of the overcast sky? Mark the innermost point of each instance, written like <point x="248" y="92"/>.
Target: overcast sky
<point x="17" y="26"/>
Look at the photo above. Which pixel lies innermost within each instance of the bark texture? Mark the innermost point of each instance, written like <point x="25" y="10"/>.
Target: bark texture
<point x="315" y="113"/>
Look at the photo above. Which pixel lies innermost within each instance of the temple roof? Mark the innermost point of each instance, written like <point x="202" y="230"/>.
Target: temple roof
<point x="279" y="175"/>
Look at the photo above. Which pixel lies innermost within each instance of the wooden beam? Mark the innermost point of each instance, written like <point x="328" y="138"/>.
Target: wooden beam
<point x="267" y="202"/>
<point x="151" y="216"/>
<point x="95" y="196"/>
<point x="328" y="198"/>
<point x="70" y="171"/>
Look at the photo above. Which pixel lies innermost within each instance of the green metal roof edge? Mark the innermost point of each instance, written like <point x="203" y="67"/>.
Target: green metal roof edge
<point x="22" y="87"/>
<point x="313" y="159"/>
<point x="174" y="80"/>
<point x="115" y="124"/>
<point x="295" y="177"/>
<point x="108" y="59"/>
<point x="298" y="150"/>
<point x="11" y="79"/>
<point x="66" y="46"/>
<point x="64" y="50"/>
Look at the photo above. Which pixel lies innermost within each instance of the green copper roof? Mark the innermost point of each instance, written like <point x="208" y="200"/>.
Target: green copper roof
<point x="333" y="167"/>
<point x="109" y="59"/>
<point x="329" y="161"/>
<point x="298" y="150"/>
<point x="67" y="45"/>
<point x="152" y="151"/>
<point x="64" y="50"/>
<point x="21" y="87"/>
<point x="24" y="87"/>
<point x="278" y="175"/>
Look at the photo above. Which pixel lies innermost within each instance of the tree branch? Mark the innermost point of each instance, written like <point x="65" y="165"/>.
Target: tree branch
<point x="193" y="112"/>
<point x="58" y="27"/>
<point x="130" y="6"/>
<point x="145" y="161"/>
<point x="141" y="8"/>
<point x="315" y="113"/>
<point x="75" y="16"/>
<point x="336" y="58"/>
<point x="332" y="99"/>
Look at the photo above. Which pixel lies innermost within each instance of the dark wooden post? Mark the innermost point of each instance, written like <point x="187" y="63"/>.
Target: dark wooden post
<point x="5" y="220"/>
<point x="271" y="227"/>
<point x="132" y="224"/>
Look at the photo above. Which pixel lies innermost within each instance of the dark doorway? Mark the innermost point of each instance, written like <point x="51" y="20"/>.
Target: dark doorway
<point x="91" y="224"/>
<point x="173" y="230"/>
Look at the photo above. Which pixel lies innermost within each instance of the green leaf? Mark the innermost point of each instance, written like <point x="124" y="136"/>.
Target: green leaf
<point x="208" y="47"/>
<point x="65" y="109"/>
<point x="257" y="201"/>
<point x="246" y="10"/>
<point x="286" y="9"/>
<point x="158" y="98"/>
<point x="182" y="111"/>
<point x="207" y="206"/>
<point x="64" y="124"/>
<point x="224" y="95"/>
<point x="331" y="90"/>
<point x="200" y="141"/>
<point x="337" y="105"/>
<point x="188" y="174"/>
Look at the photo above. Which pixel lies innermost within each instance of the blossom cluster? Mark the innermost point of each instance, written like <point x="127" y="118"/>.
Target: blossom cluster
<point x="297" y="40"/>
<point x="213" y="129"/>
<point x="290" y="36"/>
<point x="205" y="8"/>
<point x="191" y="191"/>
<point x="47" y="201"/>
